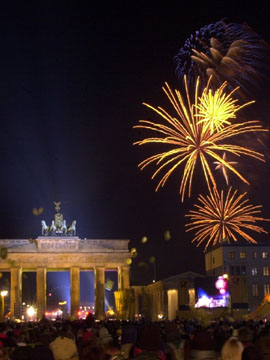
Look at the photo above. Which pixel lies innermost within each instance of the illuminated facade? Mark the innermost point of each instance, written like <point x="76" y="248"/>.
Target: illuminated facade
<point x="248" y="267"/>
<point x="166" y="299"/>
<point x="65" y="253"/>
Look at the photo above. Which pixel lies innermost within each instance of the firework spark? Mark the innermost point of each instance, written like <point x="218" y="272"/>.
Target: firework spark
<point x="223" y="168"/>
<point x="232" y="52"/>
<point x="220" y="217"/>
<point x="189" y="139"/>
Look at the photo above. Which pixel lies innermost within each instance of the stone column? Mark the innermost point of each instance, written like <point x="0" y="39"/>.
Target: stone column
<point x="15" y="288"/>
<point x="136" y="300"/>
<point x="123" y="277"/>
<point x="74" y="291"/>
<point x="41" y="279"/>
<point x="99" y="292"/>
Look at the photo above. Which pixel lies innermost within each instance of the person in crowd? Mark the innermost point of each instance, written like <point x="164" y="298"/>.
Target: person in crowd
<point x="104" y="336"/>
<point x="174" y="346"/>
<point x="232" y="349"/>
<point x="220" y="335"/>
<point x="113" y="351"/>
<point x="42" y="352"/>
<point x="21" y="340"/>
<point x="92" y="351"/>
<point x="64" y="347"/>
<point x="4" y="355"/>
<point x="149" y="343"/>
<point x="246" y="336"/>
<point x="202" y="344"/>
<point x="88" y="335"/>
<point x="22" y="353"/>
<point x="251" y="351"/>
<point x="263" y="341"/>
<point x="128" y="339"/>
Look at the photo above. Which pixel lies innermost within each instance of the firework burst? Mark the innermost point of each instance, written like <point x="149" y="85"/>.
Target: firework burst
<point x="216" y="108"/>
<point x="223" y="217"/>
<point x="189" y="138"/>
<point x="232" y="52"/>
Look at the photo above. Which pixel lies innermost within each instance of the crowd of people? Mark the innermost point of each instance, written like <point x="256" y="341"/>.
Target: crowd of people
<point x="121" y="340"/>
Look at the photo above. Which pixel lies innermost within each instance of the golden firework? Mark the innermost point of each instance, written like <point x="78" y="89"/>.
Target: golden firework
<point x="223" y="217"/>
<point x="189" y="138"/>
<point x="216" y="108"/>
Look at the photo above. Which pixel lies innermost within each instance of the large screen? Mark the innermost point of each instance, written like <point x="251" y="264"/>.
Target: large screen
<point x="212" y="292"/>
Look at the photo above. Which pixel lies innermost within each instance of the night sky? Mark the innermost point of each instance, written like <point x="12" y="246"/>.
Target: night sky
<point x="73" y="79"/>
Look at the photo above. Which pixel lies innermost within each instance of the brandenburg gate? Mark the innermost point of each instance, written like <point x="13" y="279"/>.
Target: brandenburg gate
<point x="64" y="251"/>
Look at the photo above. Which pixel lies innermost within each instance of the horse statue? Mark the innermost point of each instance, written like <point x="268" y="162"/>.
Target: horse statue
<point x="64" y="227"/>
<point x="72" y="228"/>
<point x="44" y="228"/>
<point x="52" y="228"/>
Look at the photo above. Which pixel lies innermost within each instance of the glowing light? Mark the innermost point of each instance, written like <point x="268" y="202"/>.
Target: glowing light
<point x="4" y="293"/>
<point x="110" y="312"/>
<point x="134" y="252"/>
<point x="221" y="217"/>
<point x="167" y="235"/>
<point x="31" y="311"/>
<point x="83" y="314"/>
<point x="128" y="261"/>
<point x="38" y="211"/>
<point x="190" y="139"/>
<point x="222" y="284"/>
<point x="144" y="239"/>
<point x="62" y="302"/>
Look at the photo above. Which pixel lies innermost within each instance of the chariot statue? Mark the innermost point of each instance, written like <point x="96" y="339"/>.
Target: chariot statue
<point x="58" y="225"/>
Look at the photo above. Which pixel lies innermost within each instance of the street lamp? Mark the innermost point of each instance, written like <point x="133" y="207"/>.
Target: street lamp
<point x="3" y="294"/>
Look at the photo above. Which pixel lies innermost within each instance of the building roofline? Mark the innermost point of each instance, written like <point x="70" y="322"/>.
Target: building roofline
<point x="235" y="245"/>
